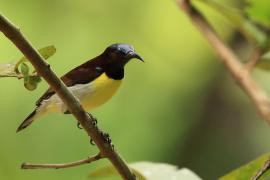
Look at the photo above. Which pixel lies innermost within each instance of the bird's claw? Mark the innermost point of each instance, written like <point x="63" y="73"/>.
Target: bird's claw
<point x="106" y="137"/>
<point x="92" y="142"/>
<point x="79" y="125"/>
<point x="94" y="120"/>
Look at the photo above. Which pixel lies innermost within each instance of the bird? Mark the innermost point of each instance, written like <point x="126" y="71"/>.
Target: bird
<point x="93" y="83"/>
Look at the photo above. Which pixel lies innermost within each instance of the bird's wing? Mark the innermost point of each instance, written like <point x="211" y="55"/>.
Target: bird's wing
<point x="82" y="74"/>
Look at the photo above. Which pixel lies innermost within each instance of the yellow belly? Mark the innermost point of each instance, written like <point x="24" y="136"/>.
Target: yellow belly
<point x="90" y="95"/>
<point x="102" y="89"/>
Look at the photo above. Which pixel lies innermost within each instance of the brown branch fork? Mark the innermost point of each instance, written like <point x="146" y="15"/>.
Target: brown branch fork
<point x="240" y="72"/>
<point x="44" y="70"/>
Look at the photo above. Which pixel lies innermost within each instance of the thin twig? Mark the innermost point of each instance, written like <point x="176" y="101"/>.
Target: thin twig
<point x="263" y="170"/>
<point x="43" y="69"/>
<point x="238" y="71"/>
<point x="59" y="166"/>
<point x="11" y="75"/>
<point x="254" y="58"/>
<point x="8" y="70"/>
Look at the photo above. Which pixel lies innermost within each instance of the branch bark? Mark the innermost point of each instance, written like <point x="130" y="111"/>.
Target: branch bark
<point x="262" y="171"/>
<point x="44" y="70"/>
<point x="61" y="166"/>
<point x="239" y="72"/>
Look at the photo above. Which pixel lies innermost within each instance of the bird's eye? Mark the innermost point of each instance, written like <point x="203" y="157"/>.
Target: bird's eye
<point x="122" y="53"/>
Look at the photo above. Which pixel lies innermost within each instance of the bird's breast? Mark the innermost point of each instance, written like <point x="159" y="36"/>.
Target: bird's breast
<point x="90" y="95"/>
<point x="96" y="92"/>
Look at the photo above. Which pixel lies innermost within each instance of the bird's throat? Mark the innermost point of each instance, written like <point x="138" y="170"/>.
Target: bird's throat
<point x="116" y="73"/>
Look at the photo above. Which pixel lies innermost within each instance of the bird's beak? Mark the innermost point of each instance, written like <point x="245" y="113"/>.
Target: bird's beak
<point x="136" y="56"/>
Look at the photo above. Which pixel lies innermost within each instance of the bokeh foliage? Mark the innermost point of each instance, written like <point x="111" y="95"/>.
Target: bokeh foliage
<point x="180" y="107"/>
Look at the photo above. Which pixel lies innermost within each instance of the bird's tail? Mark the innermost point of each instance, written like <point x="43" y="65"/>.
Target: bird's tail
<point x="30" y="118"/>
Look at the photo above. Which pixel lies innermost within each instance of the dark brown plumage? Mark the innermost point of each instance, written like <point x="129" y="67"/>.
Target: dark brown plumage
<point x="111" y="62"/>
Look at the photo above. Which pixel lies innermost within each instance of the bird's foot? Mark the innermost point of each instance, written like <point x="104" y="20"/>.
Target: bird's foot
<point x="94" y="120"/>
<point x="106" y="137"/>
<point x="79" y="125"/>
<point x="92" y="142"/>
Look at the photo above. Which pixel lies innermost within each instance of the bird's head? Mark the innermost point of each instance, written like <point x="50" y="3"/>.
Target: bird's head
<point x="120" y="54"/>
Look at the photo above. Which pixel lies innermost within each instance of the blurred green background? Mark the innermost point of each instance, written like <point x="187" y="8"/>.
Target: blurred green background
<point x="180" y="107"/>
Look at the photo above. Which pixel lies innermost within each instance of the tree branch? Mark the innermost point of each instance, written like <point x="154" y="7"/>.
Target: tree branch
<point x="238" y="71"/>
<point x="60" y="166"/>
<point x="262" y="171"/>
<point x="43" y="69"/>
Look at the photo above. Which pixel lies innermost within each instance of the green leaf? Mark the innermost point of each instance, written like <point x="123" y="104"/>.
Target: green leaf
<point x="264" y="62"/>
<point x="237" y="18"/>
<point x="249" y="170"/>
<point x="150" y="171"/>
<point x="259" y="10"/>
<point x="31" y="82"/>
<point x="261" y="38"/>
<point x="234" y="14"/>
<point x="25" y="69"/>
<point x="30" y="86"/>
<point x="35" y="79"/>
<point x="45" y="52"/>
<point x="258" y="14"/>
